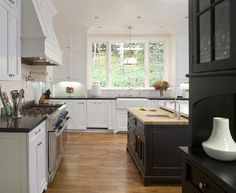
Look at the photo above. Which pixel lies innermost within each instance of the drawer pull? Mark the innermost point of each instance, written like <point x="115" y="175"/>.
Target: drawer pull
<point x="202" y="186"/>
<point x="37" y="132"/>
<point x="40" y="143"/>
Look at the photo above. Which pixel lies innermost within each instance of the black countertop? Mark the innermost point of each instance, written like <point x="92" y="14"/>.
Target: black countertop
<point x="223" y="173"/>
<point x="21" y="125"/>
<point x="113" y="98"/>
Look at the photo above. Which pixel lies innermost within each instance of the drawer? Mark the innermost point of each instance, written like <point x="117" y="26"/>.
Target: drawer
<point x="37" y="130"/>
<point x="200" y="181"/>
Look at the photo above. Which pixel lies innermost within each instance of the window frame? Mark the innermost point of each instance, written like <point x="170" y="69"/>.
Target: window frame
<point x="110" y="39"/>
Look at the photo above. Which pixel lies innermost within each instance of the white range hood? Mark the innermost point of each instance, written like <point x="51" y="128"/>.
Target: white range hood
<point x="39" y="45"/>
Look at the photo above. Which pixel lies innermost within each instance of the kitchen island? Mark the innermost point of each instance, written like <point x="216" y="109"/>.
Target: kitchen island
<point x="153" y="139"/>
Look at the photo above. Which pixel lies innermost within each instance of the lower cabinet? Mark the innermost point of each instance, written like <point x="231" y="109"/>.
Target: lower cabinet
<point x="91" y="114"/>
<point x="154" y="149"/>
<point x="202" y="174"/>
<point x="121" y="120"/>
<point x="37" y="159"/>
<point x="23" y="161"/>
<point x="77" y="113"/>
<point x="97" y="114"/>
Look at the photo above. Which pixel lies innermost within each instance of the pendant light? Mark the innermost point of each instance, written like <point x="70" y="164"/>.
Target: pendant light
<point x="130" y="60"/>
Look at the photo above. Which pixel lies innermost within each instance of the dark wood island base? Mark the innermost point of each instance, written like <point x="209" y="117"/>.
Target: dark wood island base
<point x="154" y="149"/>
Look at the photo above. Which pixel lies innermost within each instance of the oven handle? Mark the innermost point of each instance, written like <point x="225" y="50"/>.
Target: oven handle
<point x="58" y="133"/>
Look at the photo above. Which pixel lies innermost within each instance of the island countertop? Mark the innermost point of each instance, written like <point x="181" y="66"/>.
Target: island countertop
<point x="157" y="116"/>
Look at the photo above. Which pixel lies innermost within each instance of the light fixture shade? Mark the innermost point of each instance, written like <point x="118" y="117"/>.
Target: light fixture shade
<point x="130" y="61"/>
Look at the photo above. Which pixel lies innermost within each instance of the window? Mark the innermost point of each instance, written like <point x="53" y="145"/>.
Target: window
<point x="99" y="64"/>
<point x="156" y="62"/>
<point x="109" y="69"/>
<point x="127" y="75"/>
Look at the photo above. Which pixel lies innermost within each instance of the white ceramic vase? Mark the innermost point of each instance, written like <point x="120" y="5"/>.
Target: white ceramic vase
<point x="220" y="145"/>
<point x="96" y="89"/>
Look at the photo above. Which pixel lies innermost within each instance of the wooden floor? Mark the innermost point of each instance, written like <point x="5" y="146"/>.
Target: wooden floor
<point x="99" y="163"/>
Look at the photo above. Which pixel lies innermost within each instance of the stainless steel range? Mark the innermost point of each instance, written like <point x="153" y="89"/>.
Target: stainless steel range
<point x="56" y="126"/>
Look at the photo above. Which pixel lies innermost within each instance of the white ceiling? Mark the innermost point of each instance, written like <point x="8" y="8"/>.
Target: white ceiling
<point x="114" y="16"/>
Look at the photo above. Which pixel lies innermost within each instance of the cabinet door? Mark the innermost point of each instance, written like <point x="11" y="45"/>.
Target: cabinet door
<point x="14" y="43"/>
<point x="77" y="113"/>
<point x="80" y="114"/>
<point x="76" y="66"/>
<point x="37" y="159"/>
<point x="41" y="162"/>
<point x="213" y="34"/>
<point x="97" y="114"/>
<point x="121" y="120"/>
<point x="4" y="39"/>
<point x="112" y="115"/>
<point x="14" y="163"/>
<point x="10" y="43"/>
<point x="61" y="72"/>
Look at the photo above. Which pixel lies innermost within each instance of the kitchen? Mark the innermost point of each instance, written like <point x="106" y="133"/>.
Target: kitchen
<point x="77" y="57"/>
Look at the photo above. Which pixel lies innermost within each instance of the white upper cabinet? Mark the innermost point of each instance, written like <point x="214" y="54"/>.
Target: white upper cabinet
<point x="73" y="68"/>
<point x="10" y="60"/>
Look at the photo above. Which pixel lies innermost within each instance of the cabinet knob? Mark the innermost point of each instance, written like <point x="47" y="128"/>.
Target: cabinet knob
<point x="202" y="186"/>
<point x="40" y="143"/>
<point x="37" y="131"/>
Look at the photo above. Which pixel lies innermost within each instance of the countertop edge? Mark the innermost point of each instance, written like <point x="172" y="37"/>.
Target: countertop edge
<point x="115" y="98"/>
<point x="23" y="129"/>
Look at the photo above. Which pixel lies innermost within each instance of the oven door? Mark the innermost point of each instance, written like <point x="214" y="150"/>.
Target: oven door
<point x="57" y="140"/>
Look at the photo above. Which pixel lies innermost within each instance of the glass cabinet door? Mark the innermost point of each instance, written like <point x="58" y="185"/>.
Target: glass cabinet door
<point x="212" y="35"/>
<point x="205" y="37"/>
<point x="222" y="34"/>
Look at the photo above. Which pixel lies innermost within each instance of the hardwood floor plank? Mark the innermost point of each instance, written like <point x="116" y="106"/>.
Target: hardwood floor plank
<point x="99" y="163"/>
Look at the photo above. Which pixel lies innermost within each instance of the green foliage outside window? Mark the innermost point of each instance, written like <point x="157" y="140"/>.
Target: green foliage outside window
<point x="125" y="75"/>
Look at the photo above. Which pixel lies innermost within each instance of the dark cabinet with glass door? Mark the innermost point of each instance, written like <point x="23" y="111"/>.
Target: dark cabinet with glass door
<point x="212" y="35"/>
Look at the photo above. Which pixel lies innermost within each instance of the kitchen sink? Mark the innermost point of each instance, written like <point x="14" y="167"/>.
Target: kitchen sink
<point x="159" y="115"/>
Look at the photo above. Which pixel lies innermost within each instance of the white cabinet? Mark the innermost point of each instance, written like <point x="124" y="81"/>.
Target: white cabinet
<point x="121" y="120"/>
<point x="122" y="104"/>
<point x="73" y="68"/>
<point x="112" y="115"/>
<point x="15" y="4"/>
<point x="97" y="113"/>
<point x="10" y="60"/>
<point x="77" y="113"/>
<point x="23" y="161"/>
<point x="37" y="159"/>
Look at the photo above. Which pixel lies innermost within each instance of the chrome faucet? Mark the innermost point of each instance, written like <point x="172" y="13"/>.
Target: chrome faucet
<point x="130" y="91"/>
<point x="176" y="114"/>
<point x="165" y="102"/>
